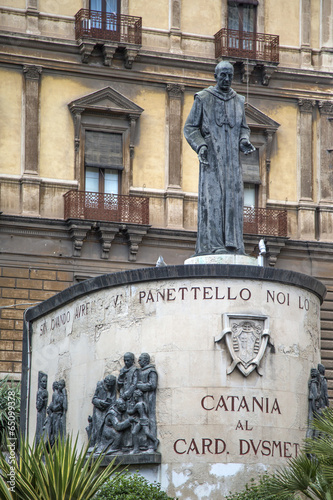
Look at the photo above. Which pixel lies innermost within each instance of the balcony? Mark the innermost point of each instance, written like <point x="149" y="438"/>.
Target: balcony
<point x="265" y="221"/>
<point x="106" y="207"/>
<point x="107" y="26"/>
<point x="246" y="45"/>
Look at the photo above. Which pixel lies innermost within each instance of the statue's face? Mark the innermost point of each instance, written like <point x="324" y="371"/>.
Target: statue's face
<point x="143" y="360"/>
<point x="43" y="383"/>
<point x="121" y="405"/>
<point x="128" y="360"/>
<point x="109" y="383"/>
<point x="223" y="78"/>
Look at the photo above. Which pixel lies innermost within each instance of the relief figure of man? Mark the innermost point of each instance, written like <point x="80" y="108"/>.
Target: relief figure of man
<point x="104" y="397"/>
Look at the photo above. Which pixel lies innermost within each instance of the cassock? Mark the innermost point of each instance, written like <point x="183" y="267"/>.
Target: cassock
<point x="217" y="120"/>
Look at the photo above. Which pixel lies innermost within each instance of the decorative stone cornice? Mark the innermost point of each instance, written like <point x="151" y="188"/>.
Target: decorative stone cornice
<point x="32" y="72"/>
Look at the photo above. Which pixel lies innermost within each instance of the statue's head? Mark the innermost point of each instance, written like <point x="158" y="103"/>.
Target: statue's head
<point x="314" y="372"/>
<point x="61" y="384"/>
<point x="43" y="382"/>
<point x="121" y="405"/>
<point x="128" y="359"/>
<point x="55" y="385"/>
<point x="137" y="394"/>
<point x="321" y="369"/>
<point x="144" y="359"/>
<point x="109" y="382"/>
<point x="224" y="72"/>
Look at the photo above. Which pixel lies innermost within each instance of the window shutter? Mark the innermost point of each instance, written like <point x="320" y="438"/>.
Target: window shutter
<point x="243" y="2"/>
<point x="103" y="150"/>
<point x="250" y="164"/>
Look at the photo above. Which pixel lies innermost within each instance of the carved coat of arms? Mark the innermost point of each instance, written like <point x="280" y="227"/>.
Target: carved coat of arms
<point x="246" y="337"/>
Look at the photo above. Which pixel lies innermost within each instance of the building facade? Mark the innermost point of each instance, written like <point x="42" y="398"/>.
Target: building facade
<point x="95" y="175"/>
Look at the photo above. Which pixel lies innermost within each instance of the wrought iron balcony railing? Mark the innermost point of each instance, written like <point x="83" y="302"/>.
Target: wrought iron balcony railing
<point x="107" y="26"/>
<point x="246" y="45"/>
<point x="265" y="221"/>
<point x="106" y="207"/>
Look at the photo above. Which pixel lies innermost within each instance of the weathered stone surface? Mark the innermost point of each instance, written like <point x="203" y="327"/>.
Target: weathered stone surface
<point x="212" y="426"/>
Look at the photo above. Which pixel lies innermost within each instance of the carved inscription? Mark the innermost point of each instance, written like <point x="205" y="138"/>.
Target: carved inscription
<point x="221" y="445"/>
<point x="175" y="294"/>
<point x="229" y="293"/>
<point x="59" y="320"/>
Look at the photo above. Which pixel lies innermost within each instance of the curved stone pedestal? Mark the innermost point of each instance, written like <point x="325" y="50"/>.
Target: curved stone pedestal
<point x="224" y="259"/>
<point x="233" y="347"/>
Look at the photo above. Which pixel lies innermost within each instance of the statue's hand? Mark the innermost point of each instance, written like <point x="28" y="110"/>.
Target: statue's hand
<point x="202" y="155"/>
<point x="246" y="147"/>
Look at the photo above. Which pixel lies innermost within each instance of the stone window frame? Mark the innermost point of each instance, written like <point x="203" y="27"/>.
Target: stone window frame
<point x="106" y="111"/>
<point x="263" y="129"/>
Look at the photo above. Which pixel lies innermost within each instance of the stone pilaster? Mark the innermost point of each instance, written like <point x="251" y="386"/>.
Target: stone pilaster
<point x="306" y="210"/>
<point x="326" y="40"/>
<point x="306" y="33"/>
<point x="30" y="183"/>
<point x="175" y="26"/>
<point x="174" y="197"/>
<point x="32" y="16"/>
<point x="31" y="90"/>
<point x="326" y="169"/>
<point x="175" y="98"/>
<point x="326" y="23"/>
<point x="305" y="148"/>
<point x="326" y="150"/>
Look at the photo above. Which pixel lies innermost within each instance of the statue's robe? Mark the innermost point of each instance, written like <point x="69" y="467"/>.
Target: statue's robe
<point x="218" y="121"/>
<point x="147" y="383"/>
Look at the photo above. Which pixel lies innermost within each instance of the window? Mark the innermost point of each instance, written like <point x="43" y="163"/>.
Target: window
<point x="251" y="179"/>
<point x="250" y="195"/>
<point x="106" y="19"/>
<point x="103" y="161"/>
<point x="105" y="134"/>
<point x="110" y="6"/>
<point x="242" y="17"/>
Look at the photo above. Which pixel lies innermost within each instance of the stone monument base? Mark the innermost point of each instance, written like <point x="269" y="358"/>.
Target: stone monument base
<point x="132" y="459"/>
<point x="231" y="350"/>
<point x="241" y="260"/>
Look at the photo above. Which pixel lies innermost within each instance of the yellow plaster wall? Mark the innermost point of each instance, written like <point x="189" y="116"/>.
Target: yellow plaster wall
<point x="154" y="14"/>
<point x="149" y="159"/>
<point x="283" y="21"/>
<point x="190" y="158"/>
<point x="283" y="173"/>
<point x="17" y="4"/>
<point x="199" y="18"/>
<point x="61" y="7"/>
<point x="11" y="119"/>
<point x="56" y="126"/>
